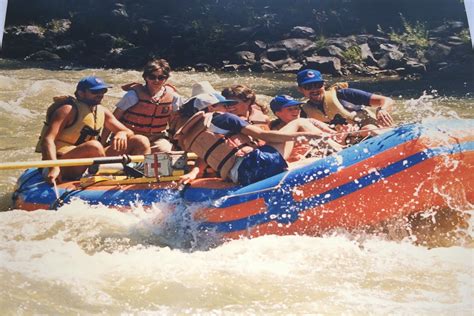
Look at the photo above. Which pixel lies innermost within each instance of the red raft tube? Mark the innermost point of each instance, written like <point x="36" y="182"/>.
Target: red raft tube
<point x="407" y="170"/>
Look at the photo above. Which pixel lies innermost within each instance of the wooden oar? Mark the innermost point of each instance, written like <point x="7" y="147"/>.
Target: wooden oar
<point x="71" y="162"/>
<point x="77" y="162"/>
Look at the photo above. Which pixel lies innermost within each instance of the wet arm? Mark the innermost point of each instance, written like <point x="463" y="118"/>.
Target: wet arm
<point x="48" y="147"/>
<point x="106" y="132"/>
<point x="384" y="107"/>
<point x="277" y="136"/>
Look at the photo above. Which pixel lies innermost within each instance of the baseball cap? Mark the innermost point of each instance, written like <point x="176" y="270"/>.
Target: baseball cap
<point x="282" y="101"/>
<point x="203" y="100"/>
<point x="92" y="83"/>
<point x="308" y="76"/>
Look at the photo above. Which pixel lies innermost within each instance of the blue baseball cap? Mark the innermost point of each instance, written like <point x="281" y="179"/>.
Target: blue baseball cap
<point x="92" y="83"/>
<point x="308" y="76"/>
<point x="282" y="101"/>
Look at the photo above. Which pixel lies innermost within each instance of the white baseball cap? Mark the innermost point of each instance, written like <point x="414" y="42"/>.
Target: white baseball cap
<point x="203" y="100"/>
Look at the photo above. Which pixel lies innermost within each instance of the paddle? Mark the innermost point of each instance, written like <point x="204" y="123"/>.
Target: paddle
<point x="71" y="162"/>
<point x="124" y="159"/>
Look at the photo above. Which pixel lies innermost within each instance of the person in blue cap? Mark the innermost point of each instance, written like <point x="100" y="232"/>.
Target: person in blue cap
<point x="341" y="105"/>
<point x="73" y="127"/>
<point x="226" y="142"/>
<point x="287" y="110"/>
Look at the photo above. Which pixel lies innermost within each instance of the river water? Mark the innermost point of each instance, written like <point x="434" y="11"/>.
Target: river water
<point x="93" y="260"/>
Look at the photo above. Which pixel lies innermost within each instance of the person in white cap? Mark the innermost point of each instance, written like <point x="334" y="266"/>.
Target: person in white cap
<point x="73" y="127"/>
<point x="225" y="142"/>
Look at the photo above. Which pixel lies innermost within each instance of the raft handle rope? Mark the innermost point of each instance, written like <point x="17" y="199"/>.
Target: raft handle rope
<point x="61" y="198"/>
<point x="279" y="184"/>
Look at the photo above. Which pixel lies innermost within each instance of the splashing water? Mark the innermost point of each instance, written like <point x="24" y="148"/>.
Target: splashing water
<point x="85" y="259"/>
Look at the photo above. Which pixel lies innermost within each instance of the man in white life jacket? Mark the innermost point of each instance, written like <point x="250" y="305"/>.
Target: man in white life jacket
<point x="73" y="126"/>
<point x="224" y="141"/>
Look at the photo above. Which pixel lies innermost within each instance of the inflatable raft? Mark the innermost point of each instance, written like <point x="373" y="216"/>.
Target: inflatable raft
<point x="410" y="169"/>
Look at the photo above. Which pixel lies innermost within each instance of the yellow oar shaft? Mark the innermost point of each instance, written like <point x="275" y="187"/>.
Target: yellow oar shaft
<point x="70" y="162"/>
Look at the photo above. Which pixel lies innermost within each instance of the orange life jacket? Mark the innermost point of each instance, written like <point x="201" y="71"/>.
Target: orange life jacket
<point x="257" y="117"/>
<point x="217" y="150"/>
<point x="149" y="115"/>
<point x="300" y="148"/>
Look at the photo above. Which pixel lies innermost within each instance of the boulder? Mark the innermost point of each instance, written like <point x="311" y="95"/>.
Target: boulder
<point x="43" y="55"/>
<point x="342" y="42"/>
<point x="243" y="57"/>
<point x="275" y="54"/>
<point x="391" y="60"/>
<point x="330" y="65"/>
<point x="303" y="32"/>
<point x="366" y="55"/>
<point x="21" y="41"/>
<point x="414" y="66"/>
<point x="291" y="68"/>
<point x="202" y="67"/>
<point x="331" y="51"/>
<point x="437" y="52"/>
<point x="295" y="46"/>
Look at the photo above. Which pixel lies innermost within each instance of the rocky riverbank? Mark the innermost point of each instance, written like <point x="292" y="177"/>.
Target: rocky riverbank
<point x="120" y="39"/>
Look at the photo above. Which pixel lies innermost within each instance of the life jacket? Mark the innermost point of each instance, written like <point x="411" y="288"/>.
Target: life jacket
<point x="258" y="118"/>
<point x="217" y="150"/>
<point x="333" y="107"/>
<point x="149" y="115"/>
<point x="300" y="148"/>
<point x="276" y="124"/>
<point x="87" y="125"/>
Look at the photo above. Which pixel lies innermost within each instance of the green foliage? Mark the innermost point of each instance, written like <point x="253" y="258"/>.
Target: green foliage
<point x="465" y="36"/>
<point x="320" y="42"/>
<point x="413" y="34"/>
<point x="353" y="55"/>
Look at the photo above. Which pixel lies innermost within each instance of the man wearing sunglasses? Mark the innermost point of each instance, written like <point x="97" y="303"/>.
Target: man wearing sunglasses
<point x="73" y="127"/>
<point x="343" y="106"/>
<point x="147" y="108"/>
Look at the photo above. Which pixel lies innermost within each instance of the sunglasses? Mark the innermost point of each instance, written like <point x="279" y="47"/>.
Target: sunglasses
<point x="101" y="91"/>
<point x="160" y="77"/>
<point x="311" y="86"/>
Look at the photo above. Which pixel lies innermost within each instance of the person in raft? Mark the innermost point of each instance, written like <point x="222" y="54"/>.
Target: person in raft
<point x="343" y="107"/>
<point x="147" y="108"/>
<point x="225" y="142"/>
<point x="247" y="106"/>
<point x="73" y="126"/>
<point x="287" y="110"/>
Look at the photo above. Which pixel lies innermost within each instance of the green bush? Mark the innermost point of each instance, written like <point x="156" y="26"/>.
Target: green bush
<point x="413" y="34"/>
<point x="352" y="55"/>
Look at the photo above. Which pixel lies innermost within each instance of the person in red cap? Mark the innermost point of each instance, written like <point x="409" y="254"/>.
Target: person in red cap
<point x="343" y="107"/>
<point x="73" y="127"/>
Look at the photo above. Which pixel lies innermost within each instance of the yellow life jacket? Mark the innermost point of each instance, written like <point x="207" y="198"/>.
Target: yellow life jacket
<point x="150" y="115"/>
<point x="332" y="107"/>
<point x="87" y="124"/>
<point x="217" y="150"/>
